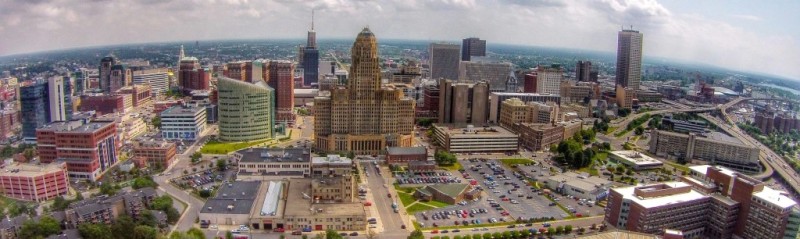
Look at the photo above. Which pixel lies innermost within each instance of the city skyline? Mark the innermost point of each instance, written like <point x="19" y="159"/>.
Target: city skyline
<point x="739" y="35"/>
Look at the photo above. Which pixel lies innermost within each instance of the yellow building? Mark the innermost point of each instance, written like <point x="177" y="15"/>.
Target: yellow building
<point x="516" y="111"/>
<point x="363" y="117"/>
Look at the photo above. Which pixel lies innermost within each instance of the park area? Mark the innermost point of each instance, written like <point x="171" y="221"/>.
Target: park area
<point x="219" y="147"/>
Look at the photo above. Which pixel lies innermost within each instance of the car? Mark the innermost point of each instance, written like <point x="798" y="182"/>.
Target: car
<point x="297" y="232"/>
<point x="456" y="230"/>
<point x="484" y="229"/>
<point x="352" y="234"/>
<point x="435" y="232"/>
<point x="403" y="226"/>
<point x="444" y="231"/>
<point x="344" y="234"/>
<point x="546" y="224"/>
<point x="279" y="230"/>
<point x="511" y="226"/>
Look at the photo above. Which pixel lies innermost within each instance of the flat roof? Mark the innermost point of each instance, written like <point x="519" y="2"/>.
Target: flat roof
<point x="619" y="235"/>
<point x="703" y="169"/>
<point x="405" y="150"/>
<point x="459" y="130"/>
<point x="233" y="198"/>
<point x="636" y="157"/>
<point x="301" y="205"/>
<point x="76" y="126"/>
<point x="182" y="110"/>
<point x="332" y="159"/>
<point x="31" y="170"/>
<point x="275" y="155"/>
<point x="585" y="182"/>
<point x="720" y="137"/>
<point x="777" y="198"/>
<point x="652" y="202"/>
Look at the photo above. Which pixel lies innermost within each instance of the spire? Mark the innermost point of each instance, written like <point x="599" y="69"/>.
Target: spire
<point x="312" y="19"/>
<point x="182" y="55"/>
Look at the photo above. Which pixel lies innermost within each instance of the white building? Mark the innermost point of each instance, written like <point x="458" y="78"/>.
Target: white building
<point x="579" y="185"/>
<point x="183" y="122"/>
<point x="635" y="160"/>
<point x="58" y="107"/>
<point x="158" y="79"/>
<point x="548" y="79"/>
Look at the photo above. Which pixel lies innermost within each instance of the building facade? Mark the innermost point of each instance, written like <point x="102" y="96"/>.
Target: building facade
<point x="363" y="117"/>
<point x="89" y="149"/>
<point x="714" y="148"/>
<point x="515" y="111"/>
<point x="472" y="46"/>
<point x="246" y="110"/>
<point x="103" y="104"/>
<point x="548" y="79"/>
<point x="538" y="137"/>
<point x="443" y="60"/>
<point x="273" y="164"/>
<point x="629" y="59"/>
<point x="494" y="73"/>
<point x="466" y="138"/>
<point x="462" y="103"/>
<point x="191" y="76"/>
<point x="404" y="155"/>
<point x="496" y="100"/>
<point x="155" y="153"/>
<point x="158" y="79"/>
<point x="279" y="77"/>
<point x="36" y="183"/>
<point x="583" y="70"/>
<point x="183" y="122"/>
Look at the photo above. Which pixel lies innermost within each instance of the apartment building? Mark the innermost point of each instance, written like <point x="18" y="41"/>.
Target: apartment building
<point x="154" y="153"/>
<point x="36" y="183"/>
<point x="140" y="94"/>
<point x="516" y="111"/>
<point x="468" y="138"/>
<point x="714" y="147"/>
<point x="183" y="122"/>
<point x="538" y="137"/>
<point x="106" y="209"/>
<point x="576" y="92"/>
<point x="496" y="101"/>
<point x="89" y="149"/>
<point x="273" y="164"/>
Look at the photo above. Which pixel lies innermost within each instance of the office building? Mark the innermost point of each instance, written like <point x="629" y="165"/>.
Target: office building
<point x="9" y="123"/>
<point x="714" y="148"/>
<point x="470" y="139"/>
<point x="104" y="104"/>
<point x="583" y="71"/>
<point x="472" y="46"/>
<point x="635" y="160"/>
<point x="363" y="117"/>
<point x="157" y="79"/>
<point x="538" y="136"/>
<point x="496" y="101"/>
<point x="685" y="126"/>
<point x="712" y="202"/>
<point x="494" y="73"/>
<point x="333" y="181"/>
<point x="273" y="164"/>
<point x="404" y="155"/>
<point x="41" y="104"/>
<point x="306" y="212"/>
<point x="81" y="77"/>
<point x="279" y="77"/>
<point x="121" y="76"/>
<point x="582" y="186"/>
<point x="443" y="60"/>
<point x="154" y="153"/>
<point x="310" y="57"/>
<point x="89" y="149"/>
<point x="140" y="95"/>
<point x="191" y="76"/>
<point x="548" y="79"/>
<point x="648" y="96"/>
<point x="183" y="122"/>
<point x="462" y="103"/>
<point x="248" y="71"/>
<point x="579" y="92"/>
<point x="515" y="111"/>
<point x="36" y="183"/>
<point x="629" y="59"/>
<point x="246" y="110"/>
<point x="625" y="97"/>
<point x="430" y="99"/>
<point x="529" y="84"/>
<point x="105" y="73"/>
<point x="410" y="73"/>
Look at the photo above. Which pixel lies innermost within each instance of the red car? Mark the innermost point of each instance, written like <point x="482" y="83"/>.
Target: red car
<point x="279" y="230"/>
<point x="389" y="195"/>
<point x="435" y="232"/>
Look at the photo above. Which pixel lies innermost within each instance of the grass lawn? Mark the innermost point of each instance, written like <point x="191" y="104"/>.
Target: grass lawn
<point x="611" y="130"/>
<point x="438" y="204"/>
<point x="418" y="208"/>
<point x="514" y="161"/>
<point x="217" y="147"/>
<point x="454" y="167"/>
<point x="406" y="199"/>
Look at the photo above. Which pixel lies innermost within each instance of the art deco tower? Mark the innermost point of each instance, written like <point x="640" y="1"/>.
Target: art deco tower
<point x="363" y="117"/>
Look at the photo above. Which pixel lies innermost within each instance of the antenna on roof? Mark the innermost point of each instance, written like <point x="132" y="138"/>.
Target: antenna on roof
<point x="312" y="19"/>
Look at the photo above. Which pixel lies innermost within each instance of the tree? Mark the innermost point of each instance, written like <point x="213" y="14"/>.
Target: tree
<point x="107" y="189"/>
<point x="506" y="234"/>
<point x="59" y="203"/>
<point x="46" y="226"/>
<point x="444" y="158"/>
<point x="351" y="155"/>
<point x="487" y="235"/>
<point x="221" y="164"/>
<point x="496" y="235"/>
<point x="94" y="231"/>
<point x="205" y="193"/>
<point x="525" y="233"/>
<point x="146" y="218"/>
<point x="514" y="234"/>
<point x="29" y="153"/>
<point x="144" y="232"/>
<point x="123" y="226"/>
<point x="156" y="122"/>
<point x="416" y="234"/>
<point x="332" y="234"/>
<point x="144" y="182"/>
<point x="639" y="130"/>
<point x="559" y="229"/>
<point x="228" y="235"/>
<point x="568" y="229"/>
<point x="196" y="156"/>
<point x="551" y="231"/>
<point x="304" y="236"/>
<point x="196" y="233"/>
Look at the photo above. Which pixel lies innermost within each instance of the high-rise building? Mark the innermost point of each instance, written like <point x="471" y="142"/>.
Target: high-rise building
<point x="363" y="117"/>
<point x="246" y="110"/>
<point x="60" y="98"/>
<point x="629" y="59"/>
<point x="444" y="60"/>
<point x="530" y="83"/>
<point x="81" y="77"/>
<point x="192" y="76"/>
<point x="472" y="46"/>
<point x="462" y="103"/>
<point x="157" y="78"/>
<point x="279" y="77"/>
<point x="89" y="149"/>
<point x="548" y="79"/>
<point x="310" y="61"/>
<point x="254" y="71"/>
<point x="105" y="73"/>
<point x="494" y="73"/>
<point x="583" y="71"/>
<point x="183" y="122"/>
<point x="37" y="103"/>
<point x="516" y="111"/>
<point x="121" y="76"/>
<point x="496" y="101"/>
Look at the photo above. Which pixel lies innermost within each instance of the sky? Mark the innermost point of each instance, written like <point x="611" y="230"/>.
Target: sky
<point x="751" y="36"/>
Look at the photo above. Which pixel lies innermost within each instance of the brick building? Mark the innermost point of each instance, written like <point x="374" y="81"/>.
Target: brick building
<point x="9" y="121"/>
<point x="103" y="104"/>
<point x="36" y="183"/>
<point x="154" y="153"/>
<point x="395" y="155"/>
<point x="89" y="149"/>
<point x="538" y="136"/>
<point x="140" y="94"/>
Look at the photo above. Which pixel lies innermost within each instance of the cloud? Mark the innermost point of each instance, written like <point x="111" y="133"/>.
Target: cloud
<point x="746" y="17"/>
<point x="28" y="26"/>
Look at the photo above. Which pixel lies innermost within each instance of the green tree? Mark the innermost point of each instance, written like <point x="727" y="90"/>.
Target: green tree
<point x="59" y="203"/>
<point x="196" y="156"/>
<point x="228" y="235"/>
<point x="559" y="229"/>
<point x="551" y="231"/>
<point x="108" y="189"/>
<point x="144" y="182"/>
<point x="568" y="229"/>
<point x="205" y="193"/>
<point x="29" y="153"/>
<point x="221" y="164"/>
<point x="144" y="232"/>
<point x="639" y="130"/>
<point x="123" y="227"/>
<point x="525" y="233"/>
<point x="332" y="234"/>
<point x="146" y="218"/>
<point x="497" y="235"/>
<point x="304" y="237"/>
<point x="46" y="226"/>
<point x="487" y="235"/>
<point x="444" y="158"/>
<point x="156" y="122"/>
<point x="95" y="231"/>
<point x="351" y="155"/>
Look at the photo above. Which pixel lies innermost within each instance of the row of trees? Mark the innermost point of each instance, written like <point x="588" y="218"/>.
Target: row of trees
<point x="511" y="234"/>
<point x="444" y="158"/>
<point x="571" y="152"/>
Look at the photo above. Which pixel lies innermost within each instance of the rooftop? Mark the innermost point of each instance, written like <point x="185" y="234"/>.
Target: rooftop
<point x="233" y="198"/>
<point x="619" y="235"/>
<point x="332" y="159"/>
<point x="777" y="198"/>
<point x="405" y="150"/>
<point x="76" y="126"/>
<point x="451" y="190"/>
<point x="703" y="169"/>
<point x="31" y="170"/>
<point x="299" y="192"/>
<point x="458" y="130"/>
<point x="581" y="181"/>
<point x="183" y="110"/>
<point x="652" y="202"/>
<point x="258" y="155"/>
<point x="721" y="137"/>
<point x="636" y="157"/>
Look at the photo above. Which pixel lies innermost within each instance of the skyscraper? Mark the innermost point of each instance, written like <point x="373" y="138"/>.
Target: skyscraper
<point x="444" y="59"/>
<point x="279" y="77"/>
<point x="105" y="72"/>
<point x="192" y="75"/>
<point x="583" y="70"/>
<point x="42" y="102"/>
<point x="246" y="110"/>
<point x="548" y="79"/>
<point x="472" y="46"/>
<point x="310" y="61"/>
<point x="60" y="103"/>
<point x="629" y="59"/>
<point x="121" y="76"/>
<point x="363" y="117"/>
<point x="462" y="103"/>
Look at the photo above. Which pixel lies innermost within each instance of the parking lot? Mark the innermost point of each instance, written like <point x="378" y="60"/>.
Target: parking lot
<point x="459" y="214"/>
<point x="578" y="206"/>
<point x="201" y="180"/>
<point x="509" y="192"/>
<point x="438" y="177"/>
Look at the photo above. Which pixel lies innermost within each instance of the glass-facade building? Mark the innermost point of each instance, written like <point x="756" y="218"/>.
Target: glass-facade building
<point x="246" y="111"/>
